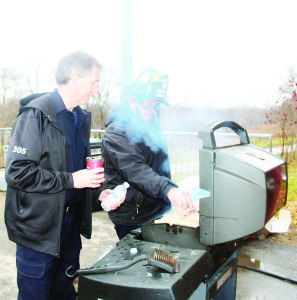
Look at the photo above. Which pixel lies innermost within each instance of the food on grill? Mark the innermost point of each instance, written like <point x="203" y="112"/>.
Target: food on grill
<point x="180" y="216"/>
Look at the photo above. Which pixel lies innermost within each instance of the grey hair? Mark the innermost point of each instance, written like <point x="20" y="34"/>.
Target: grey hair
<point x="80" y="61"/>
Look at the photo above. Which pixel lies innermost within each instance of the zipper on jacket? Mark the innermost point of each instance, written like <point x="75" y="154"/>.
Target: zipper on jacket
<point x="57" y="255"/>
<point x="59" y="237"/>
<point x="22" y="203"/>
<point x="138" y="204"/>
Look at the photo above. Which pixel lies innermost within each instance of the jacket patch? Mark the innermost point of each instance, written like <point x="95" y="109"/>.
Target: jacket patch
<point x="19" y="150"/>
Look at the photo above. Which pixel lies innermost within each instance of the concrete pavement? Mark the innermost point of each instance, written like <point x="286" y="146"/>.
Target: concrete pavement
<point x="269" y="258"/>
<point x="272" y="257"/>
<point x="103" y="236"/>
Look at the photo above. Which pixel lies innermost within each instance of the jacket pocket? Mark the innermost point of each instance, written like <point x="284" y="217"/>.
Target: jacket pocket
<point x="37" y="212"/>
<point x="15" y="201"/>
<point x="137" y="199"/>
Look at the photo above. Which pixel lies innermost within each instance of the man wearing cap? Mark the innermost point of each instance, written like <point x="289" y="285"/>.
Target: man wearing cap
<point x="134" y="151"/>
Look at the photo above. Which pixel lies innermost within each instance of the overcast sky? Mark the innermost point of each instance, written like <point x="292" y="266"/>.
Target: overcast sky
<point x="217" y="53"/>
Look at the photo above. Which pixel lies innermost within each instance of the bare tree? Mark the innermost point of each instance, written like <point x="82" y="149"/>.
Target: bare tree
<point x="8" y="113"/>
<point x="284" y="114"/>
<point x="8" y="79"/>
<point x="35" y="78"/>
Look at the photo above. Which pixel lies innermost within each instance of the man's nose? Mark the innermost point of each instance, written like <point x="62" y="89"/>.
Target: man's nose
<point x="95" y="88"/>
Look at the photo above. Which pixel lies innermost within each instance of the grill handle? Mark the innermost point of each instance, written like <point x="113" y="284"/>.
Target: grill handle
<point x="207" y="133"/>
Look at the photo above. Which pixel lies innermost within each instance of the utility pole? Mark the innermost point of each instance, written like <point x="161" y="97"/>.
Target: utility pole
<point x="126" y="40"/>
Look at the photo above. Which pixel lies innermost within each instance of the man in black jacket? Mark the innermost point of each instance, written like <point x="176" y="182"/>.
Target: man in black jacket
<point x="49" y="193"/>
<point x="134" y="150"/>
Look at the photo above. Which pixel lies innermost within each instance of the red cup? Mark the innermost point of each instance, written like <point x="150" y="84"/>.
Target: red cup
<point x="94" y="162"/>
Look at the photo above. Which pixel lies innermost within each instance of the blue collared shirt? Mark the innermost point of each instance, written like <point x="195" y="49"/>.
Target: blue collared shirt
<point x="71" y="123"/>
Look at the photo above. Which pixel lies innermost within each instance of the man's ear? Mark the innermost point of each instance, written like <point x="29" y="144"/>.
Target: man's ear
<point x="74" y="76"/>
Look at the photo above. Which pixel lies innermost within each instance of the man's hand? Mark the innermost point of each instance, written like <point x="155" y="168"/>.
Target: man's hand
<point x="180" y="198"/>
<point x="104" y="194"/>
<point x="88" y="178"/>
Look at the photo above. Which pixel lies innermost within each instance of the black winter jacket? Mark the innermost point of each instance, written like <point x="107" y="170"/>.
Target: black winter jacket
<point x="37" y="179"/>
<point x="136" y="152"/>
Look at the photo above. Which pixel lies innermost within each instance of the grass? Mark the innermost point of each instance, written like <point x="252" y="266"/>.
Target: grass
<point x="259" y="143"/>
<point x="276" y="142"/>
<point x="292" y="176"/>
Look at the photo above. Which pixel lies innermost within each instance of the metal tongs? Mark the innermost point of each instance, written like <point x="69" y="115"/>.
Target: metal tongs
<point x="158" y="258"/>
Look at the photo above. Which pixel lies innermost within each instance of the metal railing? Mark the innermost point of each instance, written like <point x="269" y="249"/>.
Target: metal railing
<point x="183" y="148"/>
<point x="5" y="134"/>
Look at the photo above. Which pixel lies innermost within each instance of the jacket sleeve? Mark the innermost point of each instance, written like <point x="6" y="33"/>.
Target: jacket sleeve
<point x="128" y="160"/>
<point x="24" y="170"/>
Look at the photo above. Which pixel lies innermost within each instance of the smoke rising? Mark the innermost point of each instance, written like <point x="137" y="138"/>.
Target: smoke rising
<point x="178" y="118"/>
<point x="125" y="121"/>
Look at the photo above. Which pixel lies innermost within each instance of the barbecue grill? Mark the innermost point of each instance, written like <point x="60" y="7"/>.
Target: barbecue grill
<point x="247" y="186"/>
